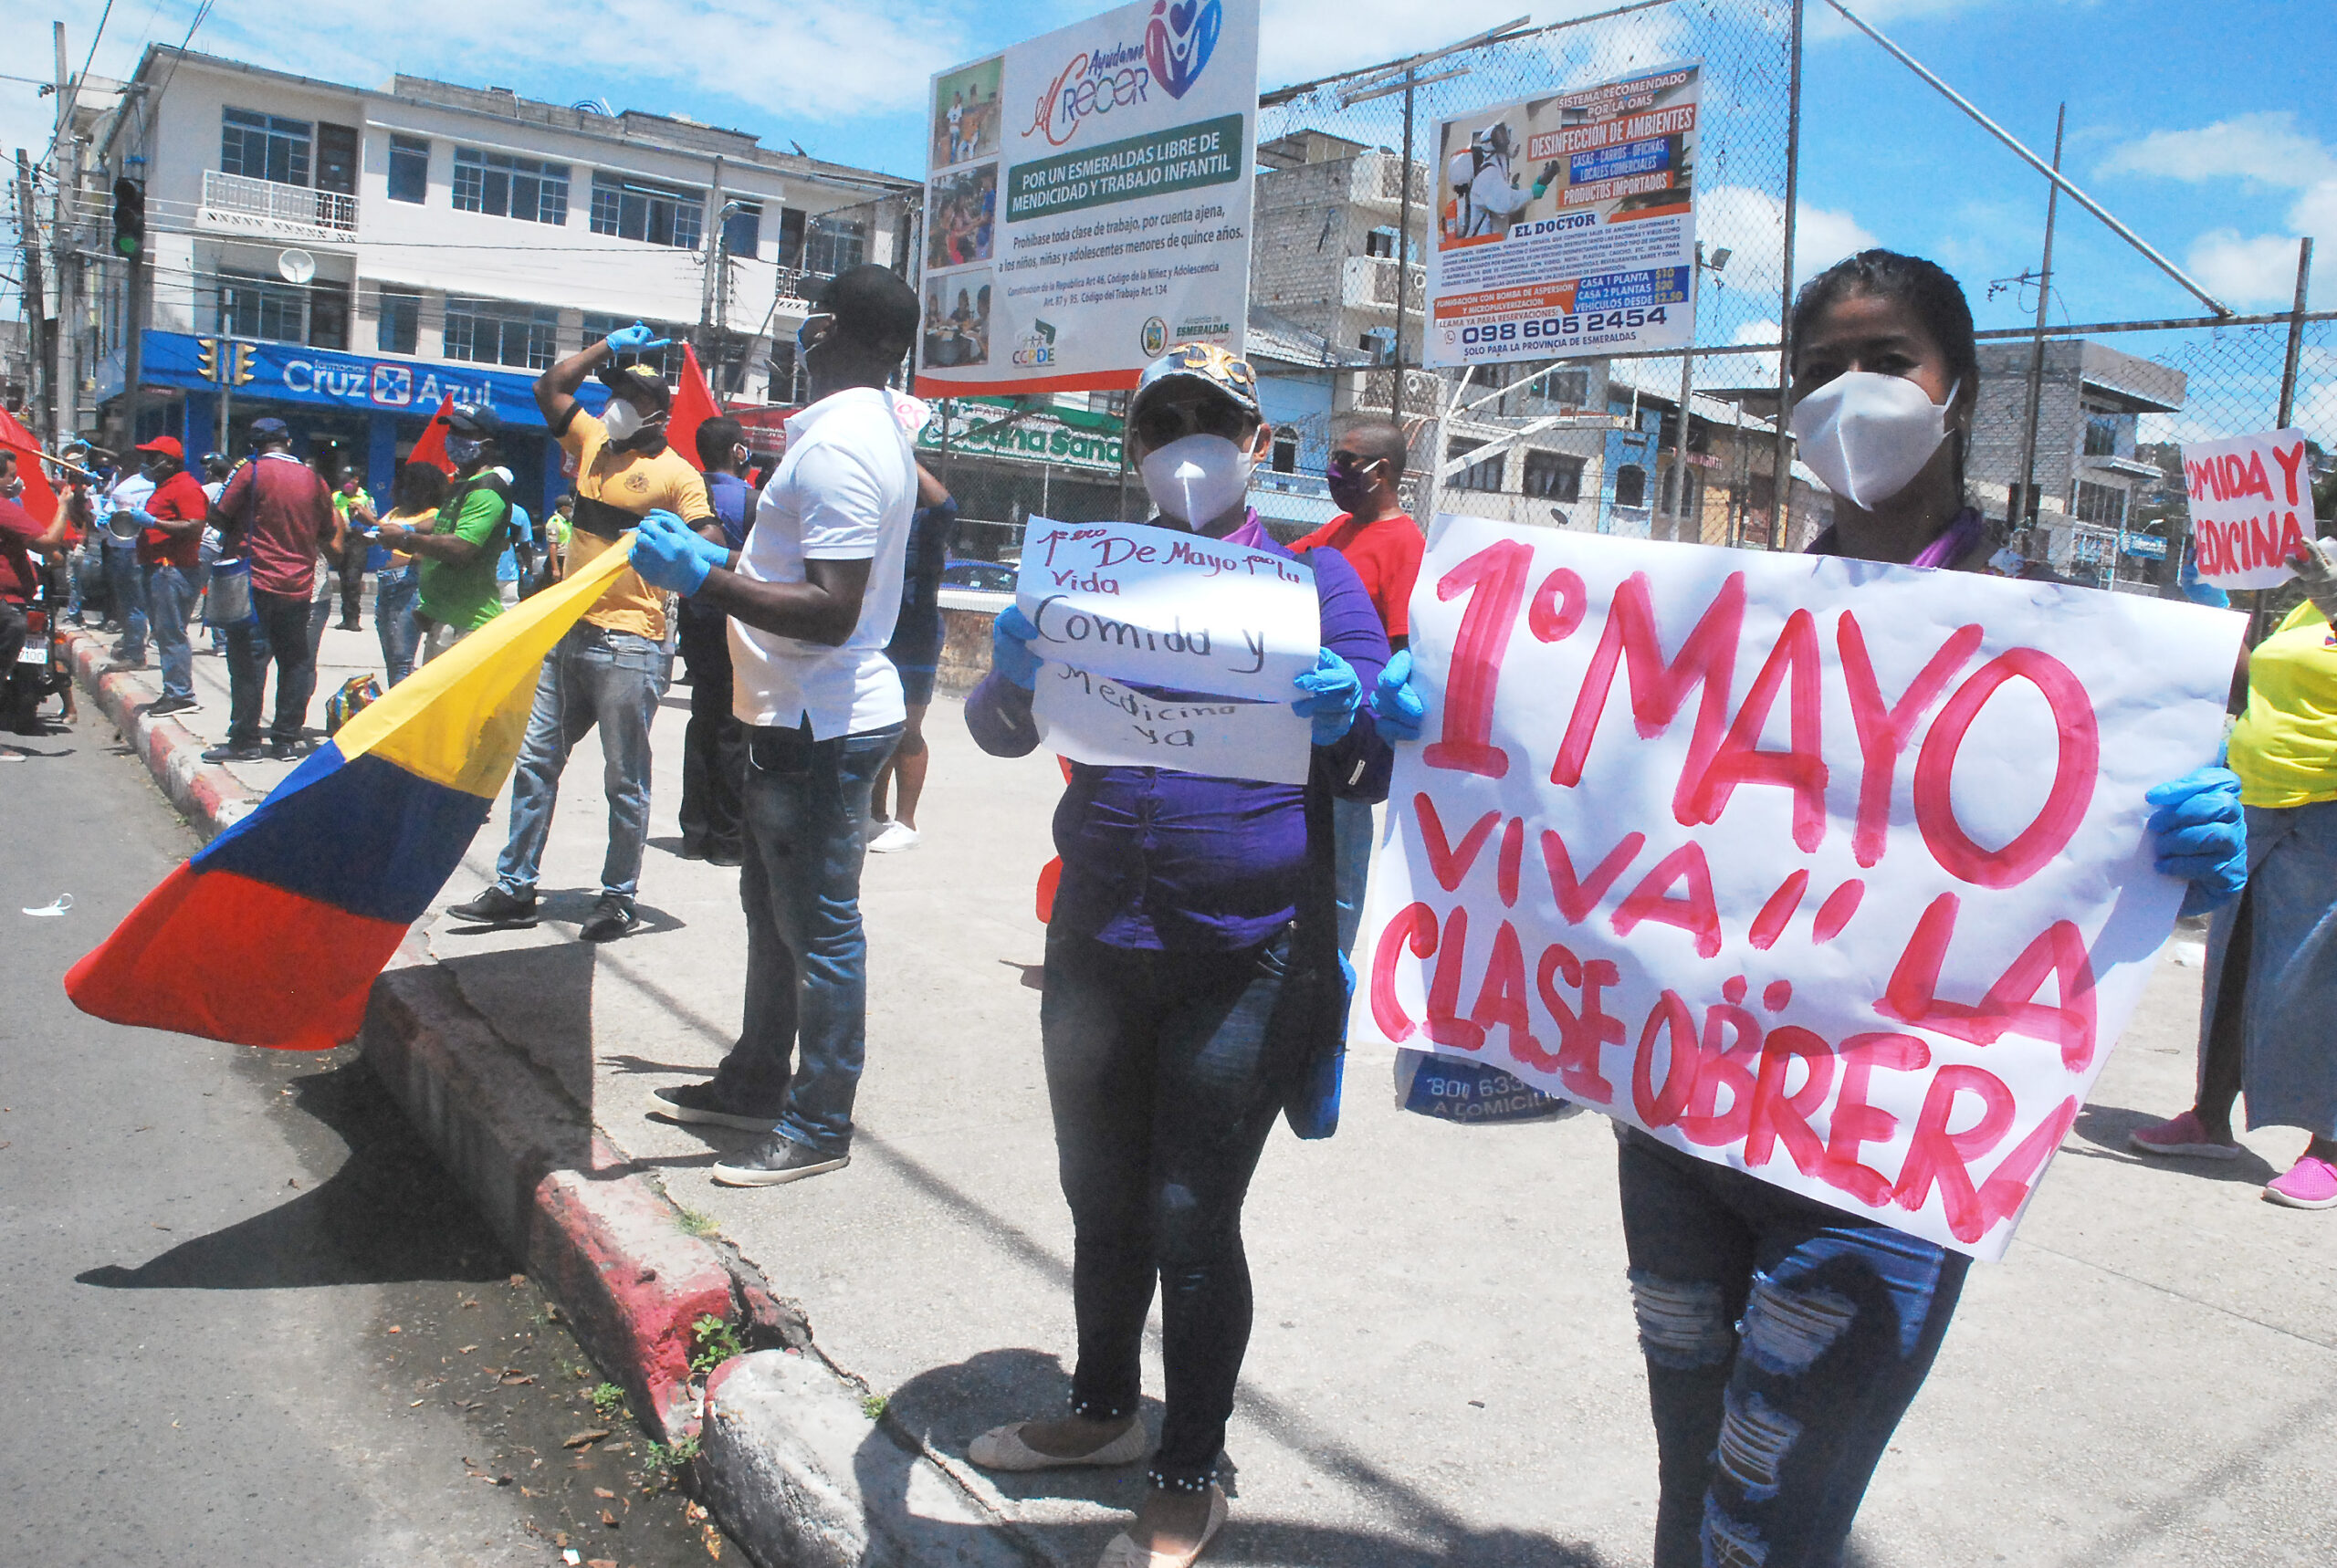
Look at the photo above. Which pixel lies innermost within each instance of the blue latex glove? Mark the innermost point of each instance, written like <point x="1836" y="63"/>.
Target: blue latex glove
<point x="2196" y="590"/>
<point x="1334" y="691"/>
<point x="670" y="554"/>
<point x="635" y="339"/>
<point x="1009" y="648"/>
<point x="1394" y="702"/>
<point x="2199" y="833"/>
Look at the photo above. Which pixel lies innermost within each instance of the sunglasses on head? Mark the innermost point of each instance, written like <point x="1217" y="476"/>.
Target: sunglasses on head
<point x="1158" y="424"/>
<point x="806" y="337"/>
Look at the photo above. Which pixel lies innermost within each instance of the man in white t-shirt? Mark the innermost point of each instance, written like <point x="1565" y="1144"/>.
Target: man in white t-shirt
<point x="812" y="599"/>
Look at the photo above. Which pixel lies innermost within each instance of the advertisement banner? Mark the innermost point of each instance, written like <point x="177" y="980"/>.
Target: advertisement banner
<point x="1826" y="871"/>
<point x="1087" y="203"/>
<point x="2251" y="502"/>
<point x="1567" y="225"/>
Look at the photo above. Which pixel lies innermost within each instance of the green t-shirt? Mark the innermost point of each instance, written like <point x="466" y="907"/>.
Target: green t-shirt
<point x="477" y="509"/>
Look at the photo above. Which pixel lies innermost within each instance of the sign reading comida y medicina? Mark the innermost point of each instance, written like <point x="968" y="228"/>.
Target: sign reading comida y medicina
<point x="1088" y="203"/>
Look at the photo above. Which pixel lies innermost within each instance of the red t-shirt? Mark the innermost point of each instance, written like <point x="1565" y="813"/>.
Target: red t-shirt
<point x="19" y="569"/>
<point x="278" y="513"/>
<point x="178" y="498"/>
<point x="1385" y="554"/>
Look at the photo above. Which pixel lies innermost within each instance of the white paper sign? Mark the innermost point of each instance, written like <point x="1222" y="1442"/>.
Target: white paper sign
<point x="1828" y="870"/>
<point x="1180" y="612"/>
<point x="1567" y="224"/>
<point x="2251" y="502"/>
<point x="1092" y="718"/>
<point x="1088" y="200"/>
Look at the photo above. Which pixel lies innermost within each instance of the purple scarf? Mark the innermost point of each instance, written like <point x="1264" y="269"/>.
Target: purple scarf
<point x="1945" y="550"/>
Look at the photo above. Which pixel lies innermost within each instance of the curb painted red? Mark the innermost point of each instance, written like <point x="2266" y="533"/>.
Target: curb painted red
<point x="206" y="794"/>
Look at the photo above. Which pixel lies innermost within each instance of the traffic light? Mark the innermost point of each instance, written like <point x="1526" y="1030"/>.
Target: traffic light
<point x="129" y="217"/>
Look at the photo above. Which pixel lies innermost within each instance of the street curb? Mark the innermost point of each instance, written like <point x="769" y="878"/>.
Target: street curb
<point x="206" y="794"/>
<point x="789" y="1461"/>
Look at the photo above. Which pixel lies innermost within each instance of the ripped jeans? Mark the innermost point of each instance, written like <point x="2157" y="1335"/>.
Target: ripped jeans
<point x="1784" y="1341"/>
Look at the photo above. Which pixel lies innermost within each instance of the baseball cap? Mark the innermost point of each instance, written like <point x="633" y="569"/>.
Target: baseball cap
<point x="474" y="420"/>
<point x="628" y="379"/>
<point x="1206" y="364"/>
<point x="168" y="445"/>
<point x="270" y="429"/>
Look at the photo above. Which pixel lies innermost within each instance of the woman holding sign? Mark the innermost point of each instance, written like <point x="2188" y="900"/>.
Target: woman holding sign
<point x="1784" y="1337"/>
<point x="1171" y="1040"/>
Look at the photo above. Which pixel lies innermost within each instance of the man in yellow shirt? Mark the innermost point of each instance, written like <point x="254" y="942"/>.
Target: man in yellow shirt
<point x="614" y="665"/>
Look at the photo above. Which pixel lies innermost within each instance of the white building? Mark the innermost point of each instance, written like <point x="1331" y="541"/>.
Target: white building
<point x="341" y="256"/>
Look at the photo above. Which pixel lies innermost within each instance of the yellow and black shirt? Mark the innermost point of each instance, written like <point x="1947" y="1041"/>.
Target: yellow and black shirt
<point x="615" y="488"/>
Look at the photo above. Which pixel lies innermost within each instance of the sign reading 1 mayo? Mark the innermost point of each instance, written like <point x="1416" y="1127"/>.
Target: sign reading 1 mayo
<point x="1088" y="201"/>
<point x="1567" y="225"/>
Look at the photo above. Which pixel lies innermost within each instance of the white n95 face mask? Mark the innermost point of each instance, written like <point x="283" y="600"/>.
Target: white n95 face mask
<point x="1868" y="436"/>
<point x="623" y="419"/>
<point x="1197" y="478"/>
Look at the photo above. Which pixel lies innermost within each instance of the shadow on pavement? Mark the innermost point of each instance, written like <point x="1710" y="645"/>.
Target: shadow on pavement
<point x="388" y="1214"/>
<point x="2106" y="1127"/>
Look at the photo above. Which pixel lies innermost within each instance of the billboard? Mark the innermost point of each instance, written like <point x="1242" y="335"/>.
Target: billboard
<point x="1567" y="225"/>
<point x="1088" y="201"/>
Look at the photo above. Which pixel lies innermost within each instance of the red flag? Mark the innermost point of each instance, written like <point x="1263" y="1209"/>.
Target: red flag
<point x="39" y="498"/>
<point x="431" y="447"/>
<point x="694" y="404"/>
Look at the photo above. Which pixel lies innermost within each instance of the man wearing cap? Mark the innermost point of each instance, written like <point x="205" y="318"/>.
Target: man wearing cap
<point x="1184" y="997"/>
<point x="169" y="548"/>
<point x="277" y="515"/>
<point x="458" y="593"/>
<point x="614" y="665"/>
<point x="812" y="599"/>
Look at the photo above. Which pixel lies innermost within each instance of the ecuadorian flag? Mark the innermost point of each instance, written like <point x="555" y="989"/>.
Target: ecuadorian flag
<point x="274" y="933"/>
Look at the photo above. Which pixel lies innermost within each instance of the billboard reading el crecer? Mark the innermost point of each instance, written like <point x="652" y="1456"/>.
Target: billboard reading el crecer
<point x="1567" y="225"/>
<point x="1088" y="201"/>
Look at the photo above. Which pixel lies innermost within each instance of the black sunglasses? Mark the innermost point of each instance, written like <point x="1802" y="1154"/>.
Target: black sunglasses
<point x="1159" y="423"/>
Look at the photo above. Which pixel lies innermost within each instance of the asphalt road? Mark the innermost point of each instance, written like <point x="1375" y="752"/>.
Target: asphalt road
<point x="247" y="1319"/>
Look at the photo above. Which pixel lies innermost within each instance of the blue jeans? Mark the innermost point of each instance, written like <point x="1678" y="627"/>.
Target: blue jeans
<point x="594" y="676"/>
<point x="2263" y="1017"/>
<point x="806" y="806"/>
<point x="1784" y="1341"/>
<point x="170" y="599"/>
<point x="394" y="594"/>
<point x="320" y="614"/>
<point x="1165" y="1075"/>
<point x="1351" y="846"/>
<point x="278" y="630"/>
<point x="126" y="598"/>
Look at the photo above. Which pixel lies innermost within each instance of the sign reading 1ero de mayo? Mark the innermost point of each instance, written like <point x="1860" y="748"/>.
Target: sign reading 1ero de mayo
<point x="1088" y="201"/>
<point x="1567" y="225"/>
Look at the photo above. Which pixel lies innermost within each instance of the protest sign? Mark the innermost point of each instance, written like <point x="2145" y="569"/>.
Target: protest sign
<point x="1088" y="201"/>
<point x="1180" y="612"/>
<point x="1831" y="872"/>
<point x="1567" y="225"/>
<point x="2251" y="502"/>
<point x="1092" y="718"/>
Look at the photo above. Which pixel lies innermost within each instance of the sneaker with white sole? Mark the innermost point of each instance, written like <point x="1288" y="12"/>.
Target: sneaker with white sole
<point x="897" y="836"/>
<point x="2310" y="1183"/>
<point x="2182" y="1137"/>
<point x="699" y="1102"/>
<point x="776" y="1160"/>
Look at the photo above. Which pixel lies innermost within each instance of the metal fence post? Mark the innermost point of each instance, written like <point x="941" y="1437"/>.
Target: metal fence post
<point x="2295" y="335"/>
<point x="1403" y="243"/>
<point x="2023" y="506"/>
<point x="1781" y="492"/>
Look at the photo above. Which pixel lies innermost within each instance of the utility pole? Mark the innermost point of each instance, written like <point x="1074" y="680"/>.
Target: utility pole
<point x="1403" y="261"/>
<point x="66" y="170"/>
<point x="2023" y="509"/>
<point x="43" y="343"/>
<point x="1687" y="392"/>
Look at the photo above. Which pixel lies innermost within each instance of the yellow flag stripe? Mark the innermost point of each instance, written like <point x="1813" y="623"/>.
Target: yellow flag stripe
<point x="457" y="720"/>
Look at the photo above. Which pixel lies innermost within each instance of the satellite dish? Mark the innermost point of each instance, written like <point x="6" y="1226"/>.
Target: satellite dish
<point x="297" y="266"/>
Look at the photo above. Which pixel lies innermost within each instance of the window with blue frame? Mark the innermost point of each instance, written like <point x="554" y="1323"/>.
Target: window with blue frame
<point x="265" y="146"/>
<point x="505" y="186"/>
<point x="493" y="332"/>
<point x="409" y="168"/>
<point x="636" y="209"/>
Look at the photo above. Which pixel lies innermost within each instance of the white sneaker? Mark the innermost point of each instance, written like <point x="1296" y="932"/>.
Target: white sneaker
<point x="896" y="836"/>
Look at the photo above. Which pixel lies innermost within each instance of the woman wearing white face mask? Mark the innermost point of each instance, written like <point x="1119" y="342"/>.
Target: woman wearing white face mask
<point x="1171" y="1038"/>
<point x="1785" y="1338"/>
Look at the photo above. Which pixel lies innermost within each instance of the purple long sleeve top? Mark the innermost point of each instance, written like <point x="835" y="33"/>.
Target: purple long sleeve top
<point x="1156" y="859"/>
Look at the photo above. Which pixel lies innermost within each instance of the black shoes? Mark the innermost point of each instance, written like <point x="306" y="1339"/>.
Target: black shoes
<point x="287" y="750"/>
<point x="699" y="1102"/>
<point x="725" y="855"/>
<point x="232" y="753"/>
<point x="166" y="706"/>
<point x="497" y="907"/>
<point x="776" y="1160"/>
<point x="612" y="917"/>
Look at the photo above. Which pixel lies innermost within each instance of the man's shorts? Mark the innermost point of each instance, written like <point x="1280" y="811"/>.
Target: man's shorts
<point x="916" y="684"/>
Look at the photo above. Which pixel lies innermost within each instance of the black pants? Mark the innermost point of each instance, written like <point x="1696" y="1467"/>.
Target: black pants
<point x="352" y="583"/>
<point x="280" y="630"/>
<point x="713" y="746"/>
<point x="1165" y="1072"/>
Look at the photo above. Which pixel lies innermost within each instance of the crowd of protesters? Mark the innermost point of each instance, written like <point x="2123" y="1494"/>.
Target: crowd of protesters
<point x="1195" y="976"/>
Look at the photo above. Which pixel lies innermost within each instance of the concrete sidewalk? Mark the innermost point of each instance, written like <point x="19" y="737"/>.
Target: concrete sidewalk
<point x="1443" y="1368"/>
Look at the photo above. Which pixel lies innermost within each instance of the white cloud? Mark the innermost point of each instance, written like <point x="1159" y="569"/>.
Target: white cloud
<point x="2262" y="149"/>
<point x="2245" y="271"/>
<point x="1751" y="222"/>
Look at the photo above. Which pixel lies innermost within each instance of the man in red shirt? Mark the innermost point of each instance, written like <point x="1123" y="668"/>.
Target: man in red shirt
<point x="277" y="516"/>
<point x="1383" y="544"/>
<point x="168" y="548"/>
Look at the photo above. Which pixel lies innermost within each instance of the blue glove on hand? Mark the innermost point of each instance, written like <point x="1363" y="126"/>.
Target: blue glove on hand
<point x="2200" y="834"/>
<point x="670" y="554"/>
<point x="1334" y="691"/>
<point x="1394" y="702"/>
<point x="635" y="339"/>
<point x="2195" y="588"/>
<point x="1010" y="647"/>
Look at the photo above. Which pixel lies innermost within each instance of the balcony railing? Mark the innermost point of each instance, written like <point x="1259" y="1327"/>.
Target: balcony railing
<point x="263" y="206"/>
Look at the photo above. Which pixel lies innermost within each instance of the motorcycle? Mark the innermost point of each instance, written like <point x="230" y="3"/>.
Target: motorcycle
<point x="42" y="669"/>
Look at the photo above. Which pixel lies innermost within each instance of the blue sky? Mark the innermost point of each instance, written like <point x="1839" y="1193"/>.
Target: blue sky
<point x="2193" y="122"/>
